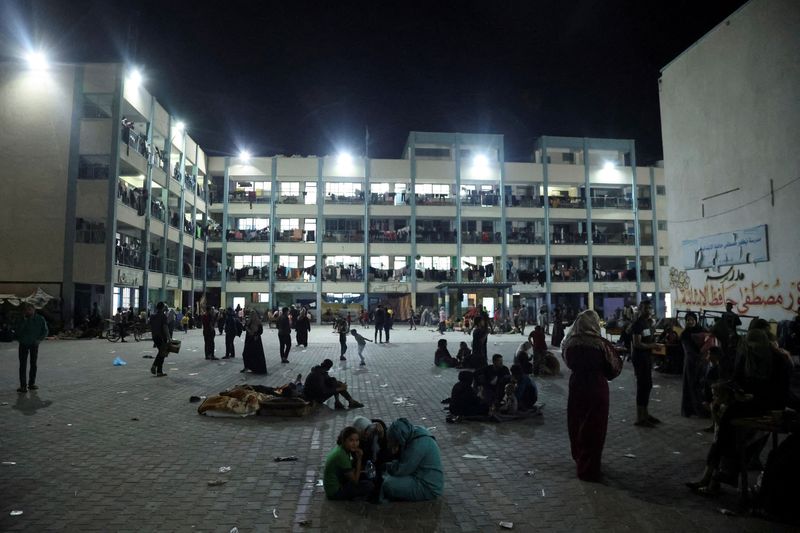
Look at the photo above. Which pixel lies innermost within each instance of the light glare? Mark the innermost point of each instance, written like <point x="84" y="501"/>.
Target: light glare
<point x="345" y="159"/>
<point x="608" y="165"/>
<point x="244" y="155"/>
<point x="480" y="161"/>
<point x="135" y="78"/>
<point x="180" y="126"/>
<point x="36" y="61"/>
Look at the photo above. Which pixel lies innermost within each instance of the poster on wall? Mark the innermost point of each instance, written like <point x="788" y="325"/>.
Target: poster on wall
<point x="724" y="249"/>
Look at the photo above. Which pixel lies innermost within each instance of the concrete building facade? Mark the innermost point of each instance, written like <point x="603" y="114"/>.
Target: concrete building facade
<point x="116" y="204"/>
<point x="731" y="122"/>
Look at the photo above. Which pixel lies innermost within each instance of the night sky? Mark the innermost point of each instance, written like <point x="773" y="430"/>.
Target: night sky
<point x="306" y="78"/>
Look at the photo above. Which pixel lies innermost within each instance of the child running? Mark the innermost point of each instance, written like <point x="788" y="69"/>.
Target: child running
<point x="362" y="342"/>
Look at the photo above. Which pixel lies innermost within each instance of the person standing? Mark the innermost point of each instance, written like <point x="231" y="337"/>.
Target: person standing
<point x="387" y="324"/>
<point x="171" y="319"/>
<point x="29" y="331"/>
<point x="253" y="351"/>
<point x="233" y="328"/>
<point x="412" y="323"/>
<point x="642" y="345"/>
<point x="380" y="318"/>
<point x="558" y="328"/>
<point x="302" y="327"/>
<point x="442" y="320"/>
<point x="209" y="333"/>
<point x="694" y="369"/>
<point x="161" y="337"/>
<point x="120" y="320"/>
<point x="731" y="317"/>
<point x="284" y="334"/>
<point x="593" y="362"/>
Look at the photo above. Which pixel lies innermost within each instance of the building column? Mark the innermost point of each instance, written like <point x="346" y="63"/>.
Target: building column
<point x="588" y="201"/>
<point x="546" y="204"/>
<point x="272" y="230"/>
<point x="503" y="232"/>
<point x="636" y="236"/>
<point x="68" y="282"/>
<point x="144" y="299"/>
<point x="412" y="263"/>
<point x="113" y="180"/>
<point x="181" y="219"/>
<point x="223" y="282"/>
<point x="656" y="254"/>
<point x="320" y="234"/>
<point x="459" y="237"/>
<point x="165" y="200"/>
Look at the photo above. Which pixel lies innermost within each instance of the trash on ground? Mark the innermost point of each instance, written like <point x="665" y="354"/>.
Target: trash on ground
<point x="676" y="453"/>
<point x="304" y="523"/>
<point x="542" y="492"/>
<point x="385" y="385"/>
<point x="134" y="419"/>
<point x="285" y="459"/>
<point x="4" y="403"/>
<point x="274" y="513"/>
<point x="630" y="456"/>
<point x="216" y="482"/>
<point x="147" y="357"/>
<point x="9" y="463"/>
<point x="15" y="513"/>
<point x="234" y="530"/>
<point x="699" y="433"/>
<point x="320" y="483"/>
<point x="119" y="362"/>
<point x="726" y="512"/>
<point x="399" y="401"/>
<point x="530" y="473"/>
<point x="471" y="456"/>
<point x="431" y="428"/>
<point x="224" y="469"/>
<point x="656" y="386"/>
<point x="193" y="374"/>
<point x="507" y="525"/>
<point x="122" y="392"/>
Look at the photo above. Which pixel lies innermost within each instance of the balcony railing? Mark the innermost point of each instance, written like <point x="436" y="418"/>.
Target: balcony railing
<point x="244" y="197"/>
<point x="249" y="273"/>
<point x="481" y="200"/>
<point x="172" y="266"/>
<point x="240" y="235"/>
<point x="524" y="237"/>
<point x="568" y="273"/>
<point x="344" y="236"/>
<point x="294" y="235"/>
<point x="435" y="199"/>
<point x="401" y="235"/>
<point x="524" y="201"/>
<point x="157" y="210"/>
<point x="435" y="236"/>
<point x="389" y="198"/>
<point x="128" y="257"/>
<point x="434" y="275"/>
<point x="343" y="199"/>
<point x="480" y="237"/>
<point x="566" y="202"/>
<point x="342" y="273"/>
<point x="291" y="199"/>
<point x="611" y="202"/>
<point x="155" y="263"/>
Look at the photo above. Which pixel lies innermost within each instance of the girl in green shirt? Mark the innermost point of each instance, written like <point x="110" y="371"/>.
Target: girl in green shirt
<point x="343" y="468"/>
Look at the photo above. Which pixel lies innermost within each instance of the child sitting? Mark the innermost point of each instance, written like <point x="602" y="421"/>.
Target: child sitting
<point x="343" y="469"/>
<point x="525" y="392"/>
<point x="539" y="343"/>
<point x="463" y="353"/>
<point x="442" y="358"/>
<point x="464" y="400"/>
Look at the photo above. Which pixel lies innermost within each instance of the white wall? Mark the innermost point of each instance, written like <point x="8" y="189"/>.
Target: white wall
<point x="34" y="139"/>
<point x="731" y="119"/>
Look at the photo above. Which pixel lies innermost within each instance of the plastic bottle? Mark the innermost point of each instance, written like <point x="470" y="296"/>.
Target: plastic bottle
<point x="370" y="470"/>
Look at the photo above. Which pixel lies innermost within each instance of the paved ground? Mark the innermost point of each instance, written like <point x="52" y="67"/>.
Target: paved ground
<point x="104" y="448"/>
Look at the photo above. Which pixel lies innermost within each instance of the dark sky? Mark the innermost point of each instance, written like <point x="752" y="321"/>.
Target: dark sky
<point x="297" y="77"/>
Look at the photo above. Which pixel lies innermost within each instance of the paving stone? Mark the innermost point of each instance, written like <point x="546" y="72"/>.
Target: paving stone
<point x="107" y="472"/>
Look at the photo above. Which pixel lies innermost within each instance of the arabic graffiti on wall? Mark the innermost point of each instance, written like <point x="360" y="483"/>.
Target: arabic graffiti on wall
<point x="723" y="249"/>
<point x="748" y="297"/>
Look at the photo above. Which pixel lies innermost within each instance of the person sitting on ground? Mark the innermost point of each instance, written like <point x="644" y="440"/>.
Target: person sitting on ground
<point x="343" y="467"/>
<point x="526" y="392"/>
<point x="417" y="474"/>
<point x="539" y="342"/>
<point x="463" y="353"/>
<point x="523" y="357"/>
<point x="492" y="380"/>
<point x="464" y="401"/>
<point x="319" y="386"/>
<point x="442" y="358"/>
<point x="373" y="443"/>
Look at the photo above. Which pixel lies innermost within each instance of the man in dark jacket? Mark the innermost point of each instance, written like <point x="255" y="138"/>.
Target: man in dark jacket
<point x="209" y="332"/>
<point x="319" y="386"/>
<point x="233" y="328"/>
<point x="380" y="319"/>
<point x="30" y="331"/>
<point x="160" y="329"/>
<point x="284" y="334"/>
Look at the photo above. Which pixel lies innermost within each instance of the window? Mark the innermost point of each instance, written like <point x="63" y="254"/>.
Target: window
<point x="379" y="188"/>
<point x="568" y="157"/>
<point x="662" y="225"/>
<point x="344" y="260"/>
<point x="241" y="261"/>
<point x="342" y="189"/>
<point x="661" y="190"/>
<point x="90" y="232"/>
<point x="290" y="188"/>
<point x="97" y="105"/>
<point x="663" y="261"/>
<point x="252" y="223"/>
<point x="263" y="297"/>
<point x="310" y="193"/>
<point x="431" y="188"/>
<point x="435" y="262"/>
<point x="289" y="261"/>
<point x="93" y="167"/>
<point x="289" y="224"/>
<point x="261" y="188"/>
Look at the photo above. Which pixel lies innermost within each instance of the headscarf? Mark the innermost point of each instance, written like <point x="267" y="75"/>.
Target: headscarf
<point x="253" y="324"/>
<point x="585" y="332"/>
<point x="400" y="431"/>
<point x="686" y="334"/>
<point x="757" y="353"/>
<point x="361" y="423"/>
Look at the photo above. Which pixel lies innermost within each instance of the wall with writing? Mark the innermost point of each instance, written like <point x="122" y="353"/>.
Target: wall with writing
<point x="732" y="166"/>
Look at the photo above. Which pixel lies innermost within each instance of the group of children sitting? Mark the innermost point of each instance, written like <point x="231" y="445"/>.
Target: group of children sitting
<point x="374" y="463"/>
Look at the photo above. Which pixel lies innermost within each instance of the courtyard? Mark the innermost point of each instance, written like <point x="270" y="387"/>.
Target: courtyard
<point x="111" y="448"/>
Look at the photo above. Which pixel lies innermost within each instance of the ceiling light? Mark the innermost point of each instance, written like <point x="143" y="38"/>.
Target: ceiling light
<point x="608" y="165"/>
<point x="244" y="155"/>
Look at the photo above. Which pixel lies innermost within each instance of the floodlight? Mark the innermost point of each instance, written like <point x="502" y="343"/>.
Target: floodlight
<point x="135" y="78"/>
<point x="609" y="165"/>
<point x="480" y="161"/>
<point x="180" y="126"/>
<point x="36" y="60"/>
<point x="345" y="159"/>
<point x="244" y="155"/>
